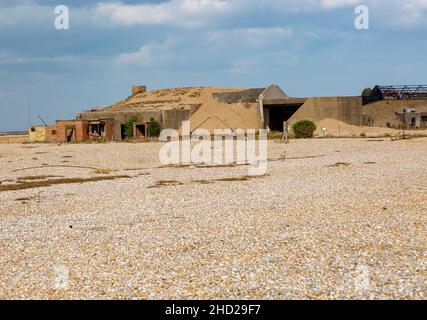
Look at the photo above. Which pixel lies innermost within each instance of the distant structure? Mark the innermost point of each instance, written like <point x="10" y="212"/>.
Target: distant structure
<point x="397" y="106"/>
<point x="228" y="108"/>
<point x="405" y="92"/>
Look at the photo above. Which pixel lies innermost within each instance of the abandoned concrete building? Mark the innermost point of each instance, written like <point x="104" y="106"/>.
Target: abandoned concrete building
<point x="223" y="108"/>
<point x="227" y="108"/>
<point x="400" y="107"/>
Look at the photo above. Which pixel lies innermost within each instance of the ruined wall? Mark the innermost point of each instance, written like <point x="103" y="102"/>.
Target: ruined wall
<point x="58" y="132"/>
<point x="37" y="133"/>
<point x="345" y="109"/>
<point x="50" y="134"/>
<point x="138" y="89"/>
<point x="168" y="119"/>
<point x="108" y="134"/>
<point x="109" y="129"/>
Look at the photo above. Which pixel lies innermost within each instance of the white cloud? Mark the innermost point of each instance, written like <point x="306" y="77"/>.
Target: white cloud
<point x="264" y="61"/>
<point x="332" y="4"/>
<point x="23" y="15"/>
<point x="198" y="13"/>
<point x="147" y="55"/>
<point x="250" y="37"/>
<point x="412" y="12"/>
<point x="187" y="13"/>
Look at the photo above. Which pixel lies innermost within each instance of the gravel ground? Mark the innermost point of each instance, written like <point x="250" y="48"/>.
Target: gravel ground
<point x="339" y="218"/>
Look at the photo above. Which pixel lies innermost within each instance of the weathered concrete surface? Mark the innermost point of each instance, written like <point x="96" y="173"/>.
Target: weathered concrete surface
<point x="168" y="119"/>
<point x="381" y="113"/>
<point x="345" y="109"/>
<point x="37" y="133"/>
<point x="247" y="95"/>
<point x="274" y="92"/>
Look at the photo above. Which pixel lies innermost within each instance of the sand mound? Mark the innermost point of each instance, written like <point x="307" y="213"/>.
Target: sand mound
<point x="162" y="99"/>
<point x="225" y="116"/>
<point x="341" y="129"/>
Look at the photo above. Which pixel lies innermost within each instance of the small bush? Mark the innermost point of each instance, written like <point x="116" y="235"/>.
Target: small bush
<point x="129" y="127"/>
<point x="275" y="135"/>
<point x="304" y="129"/>
<point x="153" y="128"/>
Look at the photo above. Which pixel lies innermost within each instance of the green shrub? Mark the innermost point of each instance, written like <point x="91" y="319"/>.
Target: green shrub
<point x="304" y="129"/>
<point x="153" y="128"/>
<point x="275" y="135"/>
<point x="129" y="126"/>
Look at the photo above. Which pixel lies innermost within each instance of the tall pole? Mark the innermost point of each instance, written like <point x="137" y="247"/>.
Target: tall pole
<point x="29" y="107"/>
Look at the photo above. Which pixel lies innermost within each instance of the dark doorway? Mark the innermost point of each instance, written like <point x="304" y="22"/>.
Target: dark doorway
<point x="97" y="129"/>
<point x="139" y="131"/>
<point x="123" y="131"/>
<point x="275" y="115"/>
<point x="71" y="134"/>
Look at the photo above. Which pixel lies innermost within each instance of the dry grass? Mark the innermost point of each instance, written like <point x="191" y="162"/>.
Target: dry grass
<point x="231" y="179"/>
<point x="25" y="199"/>
<point x="307" y="157"/>
<point x="177" y="166"/>
<point x="203" y="181"/>
<point x="213" y="166"/>
<point x="340" y="164"/>
<point x="203" y="166"/>
<point x="43" y="177"/>
<point x="166" y="183"/>
<point x="51" y="182"/>
<point x="103" y="171"/>
<point x="45" y="165"/>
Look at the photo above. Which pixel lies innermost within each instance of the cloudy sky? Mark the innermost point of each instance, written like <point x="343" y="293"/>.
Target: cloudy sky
<point x="308" y="47"/>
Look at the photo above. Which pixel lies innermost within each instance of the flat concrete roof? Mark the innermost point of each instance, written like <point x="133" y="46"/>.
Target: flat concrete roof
<point x="288" y="101"/>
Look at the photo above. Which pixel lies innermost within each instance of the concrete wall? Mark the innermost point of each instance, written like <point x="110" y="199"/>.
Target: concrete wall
<point x="37" y="133"/>
<point x="274" y="92"/>
<point x="168" y="119"/>
<point x="172" y="119"/>
<point x="381" y="113"/>
<point x="345" y="109"/>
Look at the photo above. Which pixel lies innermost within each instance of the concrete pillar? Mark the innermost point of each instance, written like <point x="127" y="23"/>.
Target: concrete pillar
<point x="261" y="111"/>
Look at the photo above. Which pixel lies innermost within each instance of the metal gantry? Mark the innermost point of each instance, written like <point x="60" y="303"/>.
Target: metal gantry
<point x="401" y="92"/>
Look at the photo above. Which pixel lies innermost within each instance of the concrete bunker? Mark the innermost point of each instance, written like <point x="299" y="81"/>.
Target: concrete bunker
<point x="277" y="112"/>
<point x="277" y="107"/>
